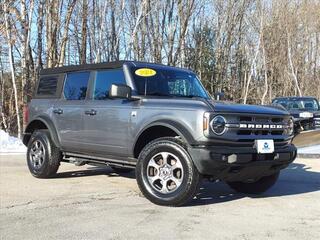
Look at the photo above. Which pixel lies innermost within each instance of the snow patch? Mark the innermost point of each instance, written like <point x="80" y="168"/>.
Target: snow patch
<point x="10" y="144"/>
<point x="309" y="150"/>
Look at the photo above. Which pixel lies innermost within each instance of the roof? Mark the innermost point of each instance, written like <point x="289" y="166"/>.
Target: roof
<point x="82" y="67"/>
<point x="105" y="65"/>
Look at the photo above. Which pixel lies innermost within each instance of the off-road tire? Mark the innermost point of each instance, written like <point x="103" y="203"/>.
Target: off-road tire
<point x="258" y="187"/>
<point x="52" y="156"/>
<point x="191" y="177"/>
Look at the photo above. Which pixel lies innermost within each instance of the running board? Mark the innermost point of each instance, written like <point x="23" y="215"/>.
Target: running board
<point x="101" y="160"/>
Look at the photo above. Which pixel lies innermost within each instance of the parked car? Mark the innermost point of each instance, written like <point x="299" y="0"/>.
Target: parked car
<point x="158" y="120"/>
<point x="305" y="110"/>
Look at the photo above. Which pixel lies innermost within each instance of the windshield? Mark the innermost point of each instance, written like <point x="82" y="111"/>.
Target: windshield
<point x="299" y="104"/>
<point x="168" y="82"/>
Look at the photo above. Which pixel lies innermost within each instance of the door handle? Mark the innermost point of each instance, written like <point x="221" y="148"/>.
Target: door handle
<point x="58" y="111"/>
<point x="91" y="112"/>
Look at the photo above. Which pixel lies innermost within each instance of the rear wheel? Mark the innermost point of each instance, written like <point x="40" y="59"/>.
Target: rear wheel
<point x="166" y="174"/>
<point x="43" y="157"/>
<point x="255" y="187"/>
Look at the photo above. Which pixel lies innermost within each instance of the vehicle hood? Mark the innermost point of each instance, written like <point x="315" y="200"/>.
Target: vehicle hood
<point x="219" y="106"/>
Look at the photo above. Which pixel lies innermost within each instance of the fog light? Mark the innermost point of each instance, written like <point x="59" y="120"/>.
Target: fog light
<point x="232" y="158"/>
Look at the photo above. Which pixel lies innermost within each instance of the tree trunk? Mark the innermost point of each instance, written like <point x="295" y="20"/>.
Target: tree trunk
<point x="65" y="33"/>
<point x="83" y="48"/>
<point x="295" y="79"/>
<point x="252" y="64"/>
<point x="11" y="62"/>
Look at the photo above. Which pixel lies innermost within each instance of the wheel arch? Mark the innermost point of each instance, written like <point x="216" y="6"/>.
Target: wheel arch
<point x="41" y="122"/>
<point x="164" y="128"/>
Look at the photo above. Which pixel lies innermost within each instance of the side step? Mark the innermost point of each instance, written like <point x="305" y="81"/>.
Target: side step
<point x="125" y="162"/>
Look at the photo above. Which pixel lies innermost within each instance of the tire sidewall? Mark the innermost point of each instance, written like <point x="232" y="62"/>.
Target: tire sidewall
<point x="186" y="162"/>
<point x="43" y="138"/>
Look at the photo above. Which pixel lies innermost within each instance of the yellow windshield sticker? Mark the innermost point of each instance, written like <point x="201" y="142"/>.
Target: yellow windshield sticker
<point x="145" y="72"/>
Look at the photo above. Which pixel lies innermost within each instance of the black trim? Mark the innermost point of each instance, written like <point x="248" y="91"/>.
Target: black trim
<point x="213" y="161"/>
<point x="174" y="126"/>
<point x="83" y="67"/>
<point x="49" y="124"/>
<point x="108" y="160"/>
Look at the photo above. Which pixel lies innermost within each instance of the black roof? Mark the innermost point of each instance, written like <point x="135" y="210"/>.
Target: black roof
<point x="104" y="65"/>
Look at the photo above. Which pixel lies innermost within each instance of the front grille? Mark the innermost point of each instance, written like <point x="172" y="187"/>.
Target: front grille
<point x="249" y="119"/>
<point x="257" y="125"/>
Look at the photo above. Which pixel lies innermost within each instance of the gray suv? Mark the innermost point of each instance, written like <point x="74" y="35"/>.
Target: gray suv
<point x="158" y="120"/>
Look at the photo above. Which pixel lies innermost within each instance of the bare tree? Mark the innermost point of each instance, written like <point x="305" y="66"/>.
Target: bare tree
<point x="83" y="48"/>
<point x="65" y="32"/>
<point x="10" y="40"/>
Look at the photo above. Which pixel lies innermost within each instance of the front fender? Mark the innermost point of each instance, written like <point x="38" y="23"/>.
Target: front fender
<point x="181" y="130"/>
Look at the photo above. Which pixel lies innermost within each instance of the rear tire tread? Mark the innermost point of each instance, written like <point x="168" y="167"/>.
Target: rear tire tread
<point x="53" y="155"/>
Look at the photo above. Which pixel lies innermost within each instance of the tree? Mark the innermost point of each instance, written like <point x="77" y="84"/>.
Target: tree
<point x="10" y="40"/>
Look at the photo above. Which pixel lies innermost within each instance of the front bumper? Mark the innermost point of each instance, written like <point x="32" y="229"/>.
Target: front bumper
<point x="308" y="123"/>
<point x="240" y="163"/>
<point x="317" y="121"/>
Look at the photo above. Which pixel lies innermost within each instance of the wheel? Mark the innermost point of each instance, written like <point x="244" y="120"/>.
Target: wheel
<point x="256" y="187"/>
<point x="43" y="157"/>
<point x="122" y="169"/>
<point x="166" y="174"/>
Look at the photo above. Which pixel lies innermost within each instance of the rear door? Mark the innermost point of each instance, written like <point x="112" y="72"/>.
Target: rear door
<point x="107" y="120"/>
<point x="68" y="112"/>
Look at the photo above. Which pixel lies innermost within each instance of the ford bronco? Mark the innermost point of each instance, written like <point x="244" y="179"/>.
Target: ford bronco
<point x="158" y="120"/>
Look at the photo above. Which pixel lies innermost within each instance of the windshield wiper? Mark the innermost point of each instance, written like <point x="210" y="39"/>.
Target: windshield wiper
<point x="172" y="95"/>
<point x="193" y="96"/>
<point x="187" y="96"/>
<point x="158" y="94"/>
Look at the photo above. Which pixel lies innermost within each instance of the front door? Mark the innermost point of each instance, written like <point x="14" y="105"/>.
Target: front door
<point x="107" y="120"/>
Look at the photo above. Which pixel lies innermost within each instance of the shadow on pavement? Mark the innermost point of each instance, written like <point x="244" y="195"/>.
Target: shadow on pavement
<point x="296" y="179"/>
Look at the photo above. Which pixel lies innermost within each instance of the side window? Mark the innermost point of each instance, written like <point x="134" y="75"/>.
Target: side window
<point x="76" y="84"/>
<point x="104" y="80"/>
<point x="48" y="85"/>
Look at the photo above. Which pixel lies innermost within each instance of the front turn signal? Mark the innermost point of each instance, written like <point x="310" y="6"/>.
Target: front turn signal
<point x="205" y="123"/>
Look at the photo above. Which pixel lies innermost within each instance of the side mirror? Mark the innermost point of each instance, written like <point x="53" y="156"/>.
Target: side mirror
<point x="120" y="91"/>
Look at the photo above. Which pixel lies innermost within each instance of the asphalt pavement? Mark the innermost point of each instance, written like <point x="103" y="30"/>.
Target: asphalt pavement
<point x="95" y="203"/>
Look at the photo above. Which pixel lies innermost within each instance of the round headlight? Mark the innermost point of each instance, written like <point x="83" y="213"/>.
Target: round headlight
<point x="290" y="128"/>
<point x="218" y="125"/>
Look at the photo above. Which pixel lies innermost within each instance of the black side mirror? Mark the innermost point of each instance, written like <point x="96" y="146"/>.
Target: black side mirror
<point x="120" y="91"/>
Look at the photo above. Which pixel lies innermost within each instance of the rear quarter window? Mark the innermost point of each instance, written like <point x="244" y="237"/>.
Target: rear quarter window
<point x="48" y="86"/>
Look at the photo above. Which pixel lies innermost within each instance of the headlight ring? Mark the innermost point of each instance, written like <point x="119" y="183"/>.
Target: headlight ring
<point x="218" y="125"/>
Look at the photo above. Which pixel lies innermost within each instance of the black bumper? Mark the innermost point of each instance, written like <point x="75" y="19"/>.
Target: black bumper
<point x="307" y="123"/>
<point x="238" y="163"/>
